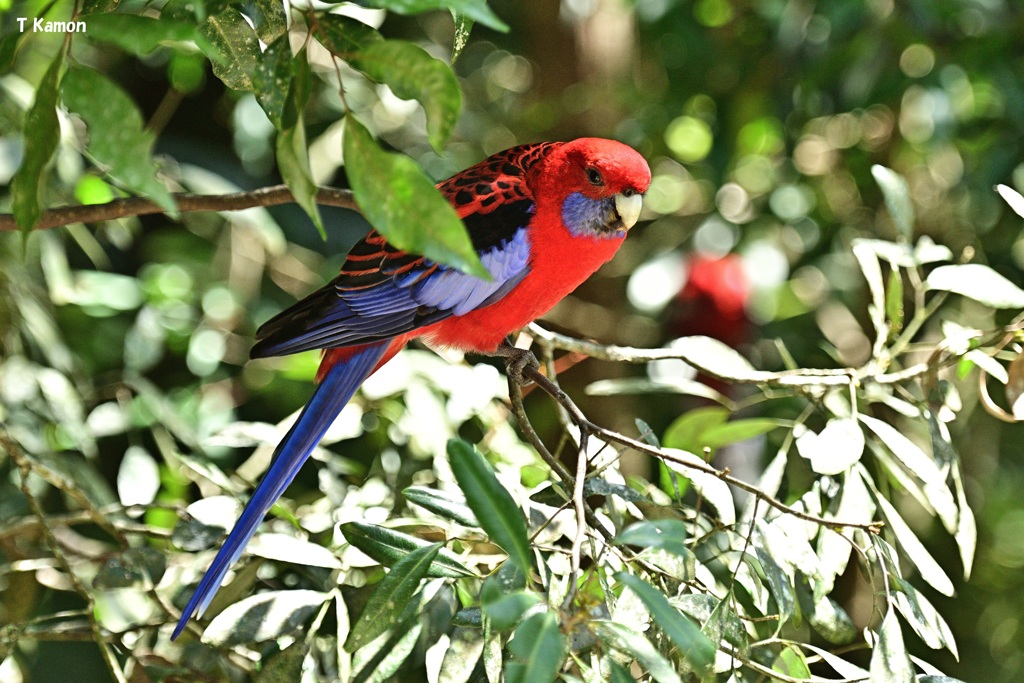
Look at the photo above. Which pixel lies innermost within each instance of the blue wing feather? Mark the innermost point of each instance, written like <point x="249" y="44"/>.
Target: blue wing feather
<point x="386" y="303"/>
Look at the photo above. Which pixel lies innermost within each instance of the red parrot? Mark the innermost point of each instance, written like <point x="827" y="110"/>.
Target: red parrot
<point x="714" y="300"/>
<point x="542" y="217"/>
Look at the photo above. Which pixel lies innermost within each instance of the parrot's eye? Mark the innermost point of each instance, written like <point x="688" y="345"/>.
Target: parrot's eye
<point x="594" y="176"/>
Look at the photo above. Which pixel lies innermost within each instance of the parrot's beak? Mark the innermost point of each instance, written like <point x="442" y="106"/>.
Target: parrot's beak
<point x="628" y="208"/>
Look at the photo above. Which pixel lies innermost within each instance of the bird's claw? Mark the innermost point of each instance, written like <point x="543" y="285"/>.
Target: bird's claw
<point x="516" y="362"/>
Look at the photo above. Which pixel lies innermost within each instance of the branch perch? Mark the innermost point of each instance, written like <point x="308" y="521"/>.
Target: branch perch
<point x="187" y="202"/>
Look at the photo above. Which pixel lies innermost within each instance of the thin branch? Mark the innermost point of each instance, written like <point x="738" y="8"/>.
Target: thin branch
<point x="25" y="467"/>
<point x="581" y="522"/>
<point x="586" y="425"/>
<point x="628" y="354"/>
<point x="519" y="410"/>
<point x="186" y="202"/>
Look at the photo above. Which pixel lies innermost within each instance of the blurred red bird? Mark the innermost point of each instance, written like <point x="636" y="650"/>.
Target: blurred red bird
<point x="542" y="217"/>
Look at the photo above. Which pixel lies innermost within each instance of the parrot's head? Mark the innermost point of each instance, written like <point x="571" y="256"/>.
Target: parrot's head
<point x="600" y="184"/>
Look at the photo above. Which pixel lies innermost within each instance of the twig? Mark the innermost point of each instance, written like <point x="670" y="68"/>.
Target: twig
<point x="581" y="521"/>
<point x="802" y="378"/>
<point x="516" y="396"/>
<point x="25" y="467"/>
<point x="628" y="354"/>
<point x="585" y="425"/>
<point x="186" y="202"/>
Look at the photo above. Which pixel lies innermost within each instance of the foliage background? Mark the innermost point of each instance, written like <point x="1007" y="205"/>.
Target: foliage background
<point x="761" y="121"/>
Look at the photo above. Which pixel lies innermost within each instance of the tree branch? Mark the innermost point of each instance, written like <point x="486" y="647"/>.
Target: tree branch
<point x="141" y="206"/>
<point x="588" y="427"/>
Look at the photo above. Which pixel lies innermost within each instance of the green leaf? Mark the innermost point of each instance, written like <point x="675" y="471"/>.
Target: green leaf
<point x="463" y="27"/>
<point x="136" y="34"/>
<point x="668" y="534"/>
<point x="134" y="568"/>
<point x="897" y="198"/>
<point x="915" y="460"/>
<point x="272" y="80"/>
<point x="926" y="621"/>
<point x="709" y="486"/>
<point x="736" y="431"/>
<point x="42" y="133"/>
<point x="269" y="19"/>
<point x="619" y="673"/>
<point x="389" y="547"/>
<point x="398" y="199"/>
<point x="635" y="645"/>
<point x="977" y="282"/>
<point x="894" y="300"/>
<point x="967" y="528"/>
<point x="931" y="571"/>
<point x="117" y="140"/>
<point x="498" y="513"/>
<point x="686" y="431"/>
<point x="343" y="35"/>
<point x="709" y="428"/>
<point x="285" y="667"/>
<point x="442" y="503"/>
<point x="681" y="566"/>
<point x="540" y="648"/>
<point x="507" y="609"/>
<point x="695" y="647"/>
<point x="263" y="617"/>
<point x="477" y="10"/>
<point x="232" y="46"/>
<point x="867" y="259"/>
<point x="840" y="665"/>
<point x="378" y="664"/>
<point x="826" y="616"/>
<point x="716" y="616"/>
<point x="461" y="656"/>
<point x="412" y="74"/>
<point x="392" y="594"/>
<point x="792" y="662"/>
<point x="8" y="50"/>
<point x="780" y="583"/>
<point x="644" y="385"/>
<point x="890" y="661"/>
<point x="290" y="147"/>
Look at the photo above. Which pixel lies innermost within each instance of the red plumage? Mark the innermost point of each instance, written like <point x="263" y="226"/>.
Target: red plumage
<point x="544" y="174"/>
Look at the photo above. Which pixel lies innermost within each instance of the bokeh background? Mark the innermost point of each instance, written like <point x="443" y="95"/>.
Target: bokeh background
<point x="761" y="121"/>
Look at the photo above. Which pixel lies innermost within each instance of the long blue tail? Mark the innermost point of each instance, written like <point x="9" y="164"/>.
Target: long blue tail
<point x="328" y="399"/>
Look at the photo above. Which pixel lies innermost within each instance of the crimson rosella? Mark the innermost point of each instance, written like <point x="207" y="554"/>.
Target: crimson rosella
<point x="542" y="217"/>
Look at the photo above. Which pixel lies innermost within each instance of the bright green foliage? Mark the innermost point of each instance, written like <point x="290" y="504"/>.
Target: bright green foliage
<point x="138" y="34"/>
<point x="413" y="74"/>
<point x="388" y="547"/>
<point x="42" y="132"/>
<point x="232" y="46"/>
<point x="392" y="594"/>
<point x="490" y="502"/>
<point x="843" y="153"/>
<point x="401" y="202"/>
<point x="116" y="139"/>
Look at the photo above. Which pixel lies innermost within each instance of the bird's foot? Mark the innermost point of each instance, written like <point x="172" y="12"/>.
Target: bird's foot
<point x="516" y="361"/>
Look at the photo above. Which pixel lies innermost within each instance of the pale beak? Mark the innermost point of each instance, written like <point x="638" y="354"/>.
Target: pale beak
<point x="628" y="208"/>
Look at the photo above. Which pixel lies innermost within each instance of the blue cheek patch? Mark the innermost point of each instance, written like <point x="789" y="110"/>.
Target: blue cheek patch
<point x="586" y="217"/>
